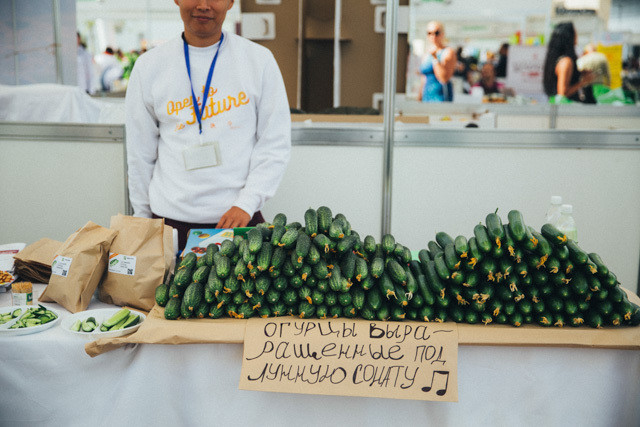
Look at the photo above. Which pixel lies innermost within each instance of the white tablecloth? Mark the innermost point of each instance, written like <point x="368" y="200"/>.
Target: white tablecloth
<point x="48" y="377"/>
<point x="46" y="102"/>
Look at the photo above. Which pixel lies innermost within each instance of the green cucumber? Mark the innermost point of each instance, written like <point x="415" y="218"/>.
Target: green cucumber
<point x="223" y="266"/>
<point x="325" y="218"/>
<point x="311" y="222"/>
<point x="279" y="220"/>
<point x="76" y="326"/>
<point x="336" y="230"/>
<point x="516" y="225"/>
<point x="193" y="295"/>
<point x="276" y="234"/>
<point x="443" y="239"/>
<point x="603" y="270"/>
<point x="303" y="243"/>
<point x="183" y="276"/>
<point x="553" y="235"/>
<point x="227" y="248"/>
<point x="495" y="229"/>
<point x="162" y="294"/>
<point x="482" y="238"/>
<point x="396" y="272"/>
<point x="461" y="246"/>
<point x="323" y="243"/>
<point x="475" y="254"/>
<point x="544" y="248"/>
<point x="119" y="316"/>
<point x="386" y="286"/>
<point x="362" y="269"/>
<point x="132" y="320"/>
<point x="388" y="243"/>
<point x="450" y="258"/>
<point x="188" y="261"/>
<point x="576" y="254"/>
<point x="201" y="274"/>
<point x="212" y="248"/>
<point x="434" y="248"/>
<point x="377" y="267"/>
<point x="433" y="280"/>
<point x="441" y="267"/>
<point x="289" y="238"/>
<point x="346" y="244"/>
<point x="254" y="239"/>
<point x="369" y="244"/>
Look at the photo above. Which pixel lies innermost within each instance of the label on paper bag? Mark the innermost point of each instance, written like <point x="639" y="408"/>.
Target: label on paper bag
<point x="396" y="360"/>
<point x="122" y="264"/>
<point x="61" y="265"/>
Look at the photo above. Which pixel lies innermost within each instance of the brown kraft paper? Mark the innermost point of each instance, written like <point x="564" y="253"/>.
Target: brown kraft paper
<point x="137" y="262"/>
<point x="157" y="330"/>
<point x="84" y="259"/>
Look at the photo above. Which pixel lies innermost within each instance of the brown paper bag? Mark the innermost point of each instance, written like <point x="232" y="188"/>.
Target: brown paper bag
<point x="33" y="263"/>
<point x="169" y="253"/>
<point x="78" y="267"/>
<point x="136" y="262"/>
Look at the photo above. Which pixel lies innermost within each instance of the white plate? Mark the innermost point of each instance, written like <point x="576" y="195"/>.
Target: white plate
<point x="4" y="328"/>
<point x="6" y="284"/>
<point x="101" y="314"/>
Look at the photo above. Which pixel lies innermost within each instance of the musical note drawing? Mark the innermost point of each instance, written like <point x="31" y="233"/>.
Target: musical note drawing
<point x="439" y="392"/>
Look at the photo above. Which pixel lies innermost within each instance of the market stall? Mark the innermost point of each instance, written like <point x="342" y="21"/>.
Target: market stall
<point x="438" y="163"/>
<point x="160" y="384"/>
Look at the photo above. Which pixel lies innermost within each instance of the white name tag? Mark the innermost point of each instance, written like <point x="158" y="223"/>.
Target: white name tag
<point x="201" y="156"/>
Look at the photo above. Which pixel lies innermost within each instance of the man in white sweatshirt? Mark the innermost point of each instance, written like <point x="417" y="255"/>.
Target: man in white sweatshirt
<point x="216" y="160"/>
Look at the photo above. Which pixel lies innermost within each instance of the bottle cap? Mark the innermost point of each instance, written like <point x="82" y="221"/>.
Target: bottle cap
<point x="556" y="200"/>
<point x="566" y="209"/>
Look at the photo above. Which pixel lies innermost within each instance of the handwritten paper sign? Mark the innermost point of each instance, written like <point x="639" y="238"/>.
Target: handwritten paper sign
<point x="398" y="360"/>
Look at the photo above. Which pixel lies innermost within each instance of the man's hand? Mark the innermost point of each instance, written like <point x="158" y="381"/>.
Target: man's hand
<point x="234" y="217"/>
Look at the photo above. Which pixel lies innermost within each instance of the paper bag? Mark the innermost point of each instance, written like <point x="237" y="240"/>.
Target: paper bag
<point x="137" y="262"/>
<point x="78" y="267"/>
<point x="33" y="263"/>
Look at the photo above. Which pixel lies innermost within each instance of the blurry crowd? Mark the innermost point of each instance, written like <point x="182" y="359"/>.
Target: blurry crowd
<point x="570" y="73"/>
<point x="488" y="75"/>
<point x="106" y="71"/>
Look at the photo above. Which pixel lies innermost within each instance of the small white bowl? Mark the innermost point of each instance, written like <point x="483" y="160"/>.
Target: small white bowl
<point x="100" y="314"/>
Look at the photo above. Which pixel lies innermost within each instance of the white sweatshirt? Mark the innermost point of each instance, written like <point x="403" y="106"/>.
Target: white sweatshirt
<point x="247" y="113"/>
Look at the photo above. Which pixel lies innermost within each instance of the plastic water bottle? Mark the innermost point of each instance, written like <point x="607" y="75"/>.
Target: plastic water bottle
<point x="566" y="223"/>
<point x="553" y="213"/>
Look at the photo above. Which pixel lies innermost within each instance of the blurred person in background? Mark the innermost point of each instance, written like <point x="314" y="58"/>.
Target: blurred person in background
<point x="501" y="68"/>
<point x="488" y="80"/>
<point x="109" y="69"/>
<point x="562" y="81"/>
<point x="438" y="67"/>
<point x="86" y="70"/>
<point x="597" y="63"/>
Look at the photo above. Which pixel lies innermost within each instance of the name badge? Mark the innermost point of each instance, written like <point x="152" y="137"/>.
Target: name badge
<point x="200" y="156"/>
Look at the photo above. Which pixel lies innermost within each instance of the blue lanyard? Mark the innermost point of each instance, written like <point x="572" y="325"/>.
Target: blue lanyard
<point x="207" y="85"/>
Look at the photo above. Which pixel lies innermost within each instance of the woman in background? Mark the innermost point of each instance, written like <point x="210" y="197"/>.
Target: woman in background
<point x="438" y="67"/>
<point x="561" y="76"/>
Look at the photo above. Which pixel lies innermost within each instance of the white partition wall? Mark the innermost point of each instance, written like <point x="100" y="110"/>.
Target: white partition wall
<point x="451" y="181"/>
<point x="56" y="177"/>
<point x="345" y="176"/>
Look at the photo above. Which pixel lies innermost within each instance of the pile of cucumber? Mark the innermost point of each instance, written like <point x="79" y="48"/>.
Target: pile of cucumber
<point x="33" y="316"/>
<point x="504" y="273"/>
<point x="121" y="319"/>
<point x="512" y="274"/>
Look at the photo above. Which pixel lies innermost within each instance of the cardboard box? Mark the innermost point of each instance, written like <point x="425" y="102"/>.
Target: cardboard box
<point x="200" y="238"/>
